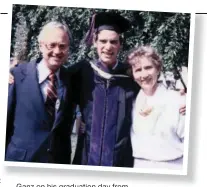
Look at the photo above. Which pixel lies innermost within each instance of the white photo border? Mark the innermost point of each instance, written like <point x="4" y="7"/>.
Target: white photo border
<point x="124" y="169"/>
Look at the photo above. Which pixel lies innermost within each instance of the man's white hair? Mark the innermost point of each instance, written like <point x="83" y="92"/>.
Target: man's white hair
<point x="52" y="25"/>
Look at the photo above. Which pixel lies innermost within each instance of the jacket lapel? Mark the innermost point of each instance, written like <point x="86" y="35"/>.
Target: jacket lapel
<point x="30" y="79"/>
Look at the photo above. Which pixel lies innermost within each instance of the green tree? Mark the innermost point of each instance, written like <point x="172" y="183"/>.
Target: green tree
<point x="167" y="32"/>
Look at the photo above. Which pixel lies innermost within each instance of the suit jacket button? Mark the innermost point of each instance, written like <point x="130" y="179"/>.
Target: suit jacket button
<point x="48" y="150"/>
<point x="44" y="122"/>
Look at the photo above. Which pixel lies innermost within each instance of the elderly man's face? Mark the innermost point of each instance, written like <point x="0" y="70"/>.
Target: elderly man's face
<point x="54" y="48"/>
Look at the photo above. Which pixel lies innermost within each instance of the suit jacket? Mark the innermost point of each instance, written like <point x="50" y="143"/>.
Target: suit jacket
<point x="30" y="137"/>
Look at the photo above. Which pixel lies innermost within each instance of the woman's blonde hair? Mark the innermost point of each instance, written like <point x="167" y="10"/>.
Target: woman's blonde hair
<point x="144" y="51"/>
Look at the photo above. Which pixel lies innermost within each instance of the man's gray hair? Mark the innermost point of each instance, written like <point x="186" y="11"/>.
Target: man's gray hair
<point x="51" y="25"/>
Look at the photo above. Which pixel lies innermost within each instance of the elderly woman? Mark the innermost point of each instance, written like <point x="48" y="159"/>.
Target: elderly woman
<point x="157" y="132"/>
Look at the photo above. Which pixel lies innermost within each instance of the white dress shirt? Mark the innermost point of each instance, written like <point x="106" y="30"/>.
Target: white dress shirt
<point x="43" y="73"/>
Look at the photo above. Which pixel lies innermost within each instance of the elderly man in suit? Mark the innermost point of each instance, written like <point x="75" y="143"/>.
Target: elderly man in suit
<point x="39" y="103"/>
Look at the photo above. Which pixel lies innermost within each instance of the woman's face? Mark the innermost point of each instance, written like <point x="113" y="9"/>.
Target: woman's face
<point x="145" y="73"/>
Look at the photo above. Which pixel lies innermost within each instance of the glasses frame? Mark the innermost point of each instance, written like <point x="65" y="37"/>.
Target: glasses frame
<point x="66" y="48"/>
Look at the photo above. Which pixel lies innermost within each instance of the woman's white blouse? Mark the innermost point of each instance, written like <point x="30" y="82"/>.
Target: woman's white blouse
<point x="159" y="135"/>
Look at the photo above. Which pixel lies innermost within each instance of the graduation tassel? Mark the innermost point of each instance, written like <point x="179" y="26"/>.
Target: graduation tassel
<point x="89" y="35"/>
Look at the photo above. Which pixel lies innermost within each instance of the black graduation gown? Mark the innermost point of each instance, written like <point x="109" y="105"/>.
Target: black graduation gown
<point x="106" y="107"/>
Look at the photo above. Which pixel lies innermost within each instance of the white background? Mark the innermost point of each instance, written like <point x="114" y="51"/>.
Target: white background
<point x="11" y="176"/>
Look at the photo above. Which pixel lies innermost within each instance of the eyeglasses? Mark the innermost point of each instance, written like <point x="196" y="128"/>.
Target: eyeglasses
<point x="51" y="46"/>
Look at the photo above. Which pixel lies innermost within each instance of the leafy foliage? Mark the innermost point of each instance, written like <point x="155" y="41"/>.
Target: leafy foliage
<point x="167" y="32"/>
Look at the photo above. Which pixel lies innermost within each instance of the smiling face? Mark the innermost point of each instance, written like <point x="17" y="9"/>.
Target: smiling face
<point x="54" y="47"/>
<point x="108" y="46"/>
<point x="146" y="74"/>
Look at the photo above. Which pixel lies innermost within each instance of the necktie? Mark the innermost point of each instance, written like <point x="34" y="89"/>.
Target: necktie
<point x="51" y="97"/>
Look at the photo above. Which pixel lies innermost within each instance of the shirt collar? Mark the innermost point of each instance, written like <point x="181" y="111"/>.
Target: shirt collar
<point x="43" y="71"/>
<point x="104" y="68"/>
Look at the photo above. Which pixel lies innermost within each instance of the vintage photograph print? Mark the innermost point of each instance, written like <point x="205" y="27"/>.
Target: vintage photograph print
<point x="99" y="87"/>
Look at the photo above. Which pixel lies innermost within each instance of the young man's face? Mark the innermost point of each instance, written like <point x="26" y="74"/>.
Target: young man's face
<point x="108" y="46"/>
<point x="54" y="48"/>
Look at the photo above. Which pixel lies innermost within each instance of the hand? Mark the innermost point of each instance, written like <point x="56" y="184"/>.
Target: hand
<point x="82" y="128"/>
<point x="14" y="63"/>
<point x="182" y="92"/>
<point x="182" y="110"/>
<point x="11" y="78"/>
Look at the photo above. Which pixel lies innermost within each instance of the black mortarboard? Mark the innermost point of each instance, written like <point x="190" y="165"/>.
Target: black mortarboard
<point x="111" y="21"/>
<point x="106" y="21"/>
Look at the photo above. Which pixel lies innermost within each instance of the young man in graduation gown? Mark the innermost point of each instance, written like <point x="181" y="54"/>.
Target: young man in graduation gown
<point x="105" y="95"/>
